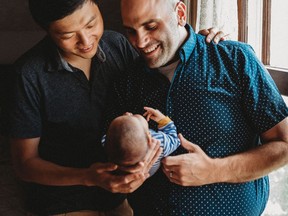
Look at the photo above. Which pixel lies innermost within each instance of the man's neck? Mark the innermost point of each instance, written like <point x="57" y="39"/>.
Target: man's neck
<point x="169" y="70"/>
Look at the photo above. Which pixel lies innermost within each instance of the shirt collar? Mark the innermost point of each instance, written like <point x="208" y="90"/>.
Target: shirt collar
<point x="187" y="48"/>
<point x="64" y="63"/>
<point x="58" y="63"/>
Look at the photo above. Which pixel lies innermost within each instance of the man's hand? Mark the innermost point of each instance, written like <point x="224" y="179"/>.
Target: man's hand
<point x="192" y="169"/>
<point x="152" y="154"/>
<point x="213" y="34"/>
<point x="101" y="174"/>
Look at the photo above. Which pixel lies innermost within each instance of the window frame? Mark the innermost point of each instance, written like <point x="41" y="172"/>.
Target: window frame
<point x="191" y="12"/>
<point x="279" y="75"/>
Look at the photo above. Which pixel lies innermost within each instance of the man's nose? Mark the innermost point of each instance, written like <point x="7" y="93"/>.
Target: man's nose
<point x="142" y="40"/>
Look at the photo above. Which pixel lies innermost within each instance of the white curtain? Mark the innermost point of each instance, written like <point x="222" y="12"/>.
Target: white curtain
<point x="218" y="13"/>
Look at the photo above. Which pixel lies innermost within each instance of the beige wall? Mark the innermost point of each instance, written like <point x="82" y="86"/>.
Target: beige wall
<point x="18" y="32"/>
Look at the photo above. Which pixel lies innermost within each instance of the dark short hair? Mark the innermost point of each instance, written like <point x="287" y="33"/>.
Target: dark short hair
<point x="44" y="12"/>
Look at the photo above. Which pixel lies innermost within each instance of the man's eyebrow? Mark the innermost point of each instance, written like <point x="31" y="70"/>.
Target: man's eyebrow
<point x="143" y="24"/>
<point x="150" y="21"/>
<point x="91" y="20"/>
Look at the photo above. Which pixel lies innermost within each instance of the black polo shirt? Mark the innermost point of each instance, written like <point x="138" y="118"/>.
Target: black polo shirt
<point x="56" y="102"/>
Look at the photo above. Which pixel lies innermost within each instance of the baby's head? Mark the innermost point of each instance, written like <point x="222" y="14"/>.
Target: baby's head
<point x="127" y="139"/>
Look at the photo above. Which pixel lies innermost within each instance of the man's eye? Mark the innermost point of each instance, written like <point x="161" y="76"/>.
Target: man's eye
<point x="151" y="27"/>
<point x="66" y="37"/>
<point x="130" y="31"/>
<point x="90" y="26"/>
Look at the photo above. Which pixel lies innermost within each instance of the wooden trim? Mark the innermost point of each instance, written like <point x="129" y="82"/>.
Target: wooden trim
<point x="242" y="20"/>
<point x="188" y="10"/>
<point x="280" y="77"/>
<point x="193" y="13"/>
<point x="266" y="32"/>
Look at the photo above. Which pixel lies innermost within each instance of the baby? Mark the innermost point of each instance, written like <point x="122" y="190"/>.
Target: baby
<point x="127" y="138"/>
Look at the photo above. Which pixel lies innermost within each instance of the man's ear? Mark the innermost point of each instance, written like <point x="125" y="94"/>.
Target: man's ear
<point x="181" y="13"/>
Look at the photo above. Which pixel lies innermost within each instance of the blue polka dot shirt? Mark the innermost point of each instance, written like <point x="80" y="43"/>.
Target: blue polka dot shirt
<point x="221" y="98"/>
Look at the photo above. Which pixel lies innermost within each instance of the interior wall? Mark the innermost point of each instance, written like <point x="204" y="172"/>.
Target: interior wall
<point x="110" y="10"/>
<point x="18" y="32"/>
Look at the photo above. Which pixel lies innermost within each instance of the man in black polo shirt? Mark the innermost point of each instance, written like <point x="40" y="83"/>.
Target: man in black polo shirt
<point x="56" y="119"/>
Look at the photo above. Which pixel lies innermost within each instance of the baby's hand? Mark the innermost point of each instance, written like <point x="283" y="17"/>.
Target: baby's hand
<point x="153" y="114"/>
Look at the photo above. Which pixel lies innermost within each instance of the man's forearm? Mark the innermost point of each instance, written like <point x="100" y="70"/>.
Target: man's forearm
<point x="252" y="164"/>
<point x="43" y="172"/>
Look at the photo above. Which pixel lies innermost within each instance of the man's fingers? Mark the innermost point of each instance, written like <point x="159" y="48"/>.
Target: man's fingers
<point x="220" y="36"/>
<point x="133" y="169"/>
<point x="154" y="159"/>
<point x="204" y="32"/>
<point x="190" y="147"/>
<point x="225" y="37"/>
<point x="213" y="30"/>
<point x="153" y="154"/>
<point x="128" y="183"/>
<point x="105" y="167"/>
<point x="214" y="34"/>
<point x="135" y="184"/>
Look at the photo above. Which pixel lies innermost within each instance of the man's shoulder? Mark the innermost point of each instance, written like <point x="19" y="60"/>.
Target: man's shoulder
<point x="227" y="48"/>
<point x="37" y="55"/>
<point x="241" y="46"/>
<point x="226" y="44"/>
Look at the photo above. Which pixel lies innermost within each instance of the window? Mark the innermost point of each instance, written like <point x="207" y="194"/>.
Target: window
<point x="279" y="32"/>
<point x="266" y="21"/>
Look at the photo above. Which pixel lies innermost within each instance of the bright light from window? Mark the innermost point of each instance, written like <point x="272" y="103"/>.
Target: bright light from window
<point x="279" y="32"/>
<point x="255" y="26"/>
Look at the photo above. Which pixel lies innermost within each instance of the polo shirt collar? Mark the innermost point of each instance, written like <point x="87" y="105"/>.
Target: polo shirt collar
<point x="58" y="63"/>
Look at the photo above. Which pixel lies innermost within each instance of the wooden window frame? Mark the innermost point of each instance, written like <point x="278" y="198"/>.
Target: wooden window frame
<point x="266" y="29"/>
<point x="191" y="12"/>
<point x="242" y="20"/>
<point x="279" y="75"/>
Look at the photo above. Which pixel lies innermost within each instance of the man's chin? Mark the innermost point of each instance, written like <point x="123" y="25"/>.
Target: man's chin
<point x="152" y="64"/>
<point x="86" y="55"/>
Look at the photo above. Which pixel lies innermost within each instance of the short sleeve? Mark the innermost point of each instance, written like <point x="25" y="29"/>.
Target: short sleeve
<point x="25" y="117"/>
<point x="262" y="100"/>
